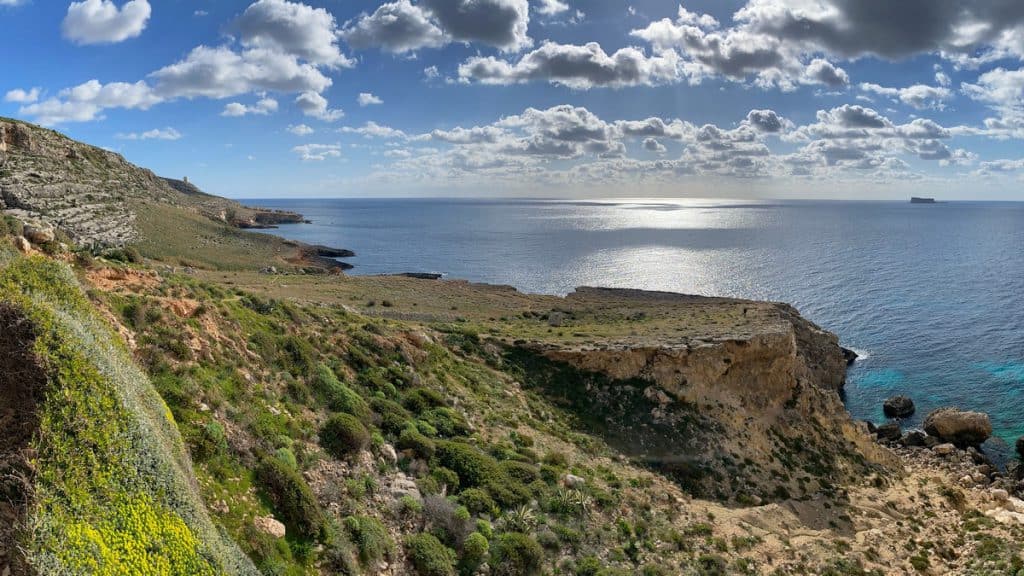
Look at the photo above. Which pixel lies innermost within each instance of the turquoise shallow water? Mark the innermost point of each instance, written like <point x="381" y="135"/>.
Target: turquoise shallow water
<point x="933" y="295"/>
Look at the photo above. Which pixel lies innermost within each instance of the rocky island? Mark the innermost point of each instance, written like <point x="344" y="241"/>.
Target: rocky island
<point x="169" y="408"/>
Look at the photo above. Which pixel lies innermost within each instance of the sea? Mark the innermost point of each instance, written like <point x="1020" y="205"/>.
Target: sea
<point x="930" y="295"/>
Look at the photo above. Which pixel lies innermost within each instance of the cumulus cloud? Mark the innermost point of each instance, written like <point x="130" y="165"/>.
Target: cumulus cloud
<point x="919" y="96"/>
<point x="313" y="104"/>
<point x="155" y="134"/>
<point x="652" y="145"/>
<point x="87" y="101"/>
<point x="367" y="99"/>
<point x="222" y="73"/>
<point x="551" y="7"/>
<point x="292" y="28"/>
<point x="499" y="23"/>
<point x="263" y="107"/>
<point x="300" y="130"/>
<point x="102" y="22"/>
<point x="22" y="96"/>
<point x="373" y="130"/>
<point x="579" y="67"/>
<point x="394" y="27"/>
<point x="401" y="26"/>
<point x="281" y="47"/>
<point x="317" y="152"/>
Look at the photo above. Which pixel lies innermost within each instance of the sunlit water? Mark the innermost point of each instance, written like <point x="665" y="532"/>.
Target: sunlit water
<point x="932" y="295"/>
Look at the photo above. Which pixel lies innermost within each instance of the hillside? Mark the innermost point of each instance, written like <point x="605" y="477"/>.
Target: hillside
<point x="94" y="197"/>
<point x="170" y="418"/>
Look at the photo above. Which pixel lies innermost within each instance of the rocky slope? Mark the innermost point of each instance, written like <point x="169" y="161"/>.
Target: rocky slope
<point x="93" y="195"/>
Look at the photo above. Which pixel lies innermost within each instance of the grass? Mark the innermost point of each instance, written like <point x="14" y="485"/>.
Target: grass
<point x="181" y="238"/>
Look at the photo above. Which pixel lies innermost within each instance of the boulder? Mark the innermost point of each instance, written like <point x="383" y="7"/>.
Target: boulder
<point x="888" y="432"/>
<point x="959" y="427"/>
<point x="556" y="319"/>
<point x="573" y="481"/>
<point x="1020" y="447"/>
<point x="944" y="449"/>
<point x="898" y="407"/>
<point x="271" y="526"/>
<point x="914" y="438"/>
<point x="387" y="451"/>
<point x="22" y="245"/>
<point x="850" y="356"/>
<point x="39" y="233"/>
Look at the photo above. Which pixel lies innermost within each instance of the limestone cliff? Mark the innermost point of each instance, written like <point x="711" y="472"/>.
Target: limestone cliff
<point x="754" y="414"/>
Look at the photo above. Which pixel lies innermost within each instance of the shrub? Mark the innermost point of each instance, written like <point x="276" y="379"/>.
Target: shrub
<point x="293" y="500"/>
<point x="288" y="457"/>
<point x="478" y="501"/>
<point x="296" y="355"/>
<point x="447" y="478"/>
<point x="343" y="435"/>
<point x="338" y="396"/>
<point x="516" y="554"/>
<point x="391" y="417"/>
<point x="520" y="471"/>
<point x="449" y="523"/>
<point x="429" y="557"/>
<point x="475" y="469"/>
<point x="420" y="399"/>
<point x="446" y="421"/>
<point x="475" y="550"/>
<point x="370" y="537"/>
<point x="412" y="439"/>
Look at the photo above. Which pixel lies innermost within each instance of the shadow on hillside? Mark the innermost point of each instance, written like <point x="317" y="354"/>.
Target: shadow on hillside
<point x="617" y="411"/>
<point x="22" y="384"/>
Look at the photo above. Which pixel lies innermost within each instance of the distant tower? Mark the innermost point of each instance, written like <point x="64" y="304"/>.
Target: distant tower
<point x="185" y="179"/>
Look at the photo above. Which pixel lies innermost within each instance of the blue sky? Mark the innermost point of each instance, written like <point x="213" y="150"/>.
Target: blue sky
<point x="569" y="98"/>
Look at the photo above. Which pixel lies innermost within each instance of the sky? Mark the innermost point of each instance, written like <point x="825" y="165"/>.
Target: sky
<point x="839" y="99"/>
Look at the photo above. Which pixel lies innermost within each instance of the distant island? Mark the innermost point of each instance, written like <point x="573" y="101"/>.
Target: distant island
<point x="916" y="200"/>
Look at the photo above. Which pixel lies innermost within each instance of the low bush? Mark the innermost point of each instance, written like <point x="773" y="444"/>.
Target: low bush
<point x="421" y="399"/>
<point x="478" y="501"/>
<point x="475" y="551"/>
<point x="475" y="469"/>
<point x="413" y="439"/>
<point x="521" y="471"/>
<point x="390" y="415"/>
<point x="516" y="554"/>
<point x="294" y="502"/>
<point x="370" y="538"/>
<point x="338" y="396"/>
<point x="429" y="556"/>
<point x="344" y="435"/>
<point x="447" y="422"/>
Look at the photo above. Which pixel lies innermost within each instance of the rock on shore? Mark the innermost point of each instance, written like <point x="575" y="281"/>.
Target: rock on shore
<point x="959" y="427"/>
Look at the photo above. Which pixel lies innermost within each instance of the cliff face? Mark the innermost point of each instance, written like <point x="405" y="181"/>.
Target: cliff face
<point x="762" y="409"/>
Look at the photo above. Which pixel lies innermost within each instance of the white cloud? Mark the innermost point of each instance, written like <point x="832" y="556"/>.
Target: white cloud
<point x="367" y="99"/>
<point x="919" y="96"/>
<point x="222" y="73"/>
<point x="155" y="134"/>
<point x="300" y="130"/>
<point x="87" y="101"/>
<point x="579" y="67"/>
<point x="317" y="152"/>
<point x="395" y="27"/>
<point x="373" y="130"/>
<point x="293" y="28"/>
<point x="551" y="7"/>
<point x="102" y="22"/>
<point x="314" y="105"/>
<point x="22" y="96"/>
<point x="263" y="107"/>
<point x="401" y="26"/>
<point x="431" y="72"/>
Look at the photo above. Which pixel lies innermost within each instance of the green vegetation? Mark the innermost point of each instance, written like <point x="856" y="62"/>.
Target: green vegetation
<point x="293" y="501"/>
<point x="113" y="490"/>
<point x="429" y="556"/>
<point x="343" y="435"/>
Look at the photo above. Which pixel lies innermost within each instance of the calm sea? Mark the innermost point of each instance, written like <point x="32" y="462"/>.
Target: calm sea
<point x="932" y="296"/>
